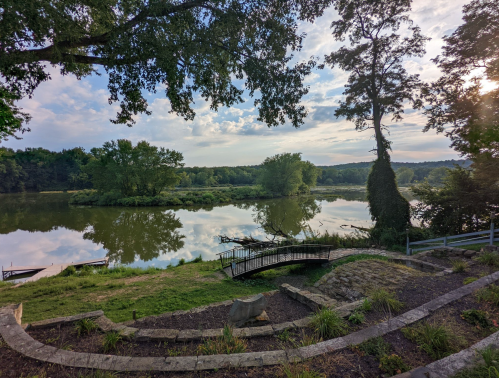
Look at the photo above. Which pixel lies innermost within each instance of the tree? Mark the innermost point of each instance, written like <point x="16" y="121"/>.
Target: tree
<point x="185" y="46"/>
<point x="283" y="174"/>
<point x="457" y="102"/>
<point x="404" y="175"/>
<point x="143" y="170"/>
<point x="456" y="207"/>
<point x="378" y="85"/>
<point x="438" y="175"/>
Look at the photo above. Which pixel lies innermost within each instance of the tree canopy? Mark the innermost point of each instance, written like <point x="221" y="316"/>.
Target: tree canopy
<point x="143" y="170"/>
<point x="183" y="46"/>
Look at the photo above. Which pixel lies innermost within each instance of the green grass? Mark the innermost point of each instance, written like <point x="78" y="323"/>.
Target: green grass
<point x="226" y="343"/>
<point x="490" y="356"/>
<point x="489" y="294"/>
<point x="489" y="259"/>
<point x="477" y="247"/>
<point x="327" y="323"/>
<point x="459" y="266"/>
<point x="385" y="301"/>
<point x="111" y="341"/>
<point x="376" y="347"/>
<point x="85" y="326"/>
<point x="120" y="290"/>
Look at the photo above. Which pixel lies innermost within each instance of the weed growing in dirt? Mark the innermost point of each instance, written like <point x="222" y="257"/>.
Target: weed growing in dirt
<point x="477" y="318"/>
<point x="296" y="371"/>
<point x="326" y="323"/>
<point x="489" y="258"/>
<point x="385" y="301"/>
<point x="98" y="374"/>
<point x="85" y="326"/>
<point x="393" y="365"/>
<point x="227" y="343"/>
<point x="307" y="340"/>
<point x="376" y="347"/>
<point x="489" y="294"/>
<point x="366" y="305"/>
<point x="490" y="356"/>
<point x="111" y="340"/>
<point x="284" y="336"/>
<point x="436" y="340"/>
<point x="357" y="318"/>
<point x="469" y="280"/>
<point x="174" y="352"/>
<point x="459" y="266"/>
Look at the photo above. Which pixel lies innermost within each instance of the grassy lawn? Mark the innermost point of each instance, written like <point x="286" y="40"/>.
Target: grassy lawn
<point x="118" y="291"/>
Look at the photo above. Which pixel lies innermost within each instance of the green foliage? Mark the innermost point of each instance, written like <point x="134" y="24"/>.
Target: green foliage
<point x="69" y="271"/>
<point x="436" y="340"/>
<point x="197" y="259"/>
<point x="307" y="340"/>
<point x="376" y="347"/>
<point x="157" y="41"/>
<point x="357" y="317"/>
<point x="284" y="336"/>
<point x="404" y="175"/>
<point x="489" y="258"/>
<point x="458" y="206"/>
<point x="490" y="357"/>
<point x="489" y="294"/>
<point x="383" y="300"/>
<point x="326" y="323"/>
<point x="286" y="174"/>
<point x="469" y="280"/>
<point x="366" y="305"/>
<point x="388" y="208"/>
<point x="476" y="317"/>
<point x="297" y="371"/>
<point x="181" y="262"/>
<point x="85" y="327"/>
<point x="111" y="340"/>
<point x="227" y="343"/>
<point x="141" y="170"/>
<point x="459" y="266"/>
<point x="393" y="364"/>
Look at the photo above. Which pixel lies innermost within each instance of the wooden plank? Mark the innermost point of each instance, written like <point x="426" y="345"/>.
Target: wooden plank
<point x="22" y="268"/>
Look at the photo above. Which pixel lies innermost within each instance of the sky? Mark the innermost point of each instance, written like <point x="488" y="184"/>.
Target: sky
<point x="71" y="113"/>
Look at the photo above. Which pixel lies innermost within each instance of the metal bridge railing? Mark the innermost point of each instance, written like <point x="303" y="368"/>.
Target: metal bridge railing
<point x="244" y="260"/>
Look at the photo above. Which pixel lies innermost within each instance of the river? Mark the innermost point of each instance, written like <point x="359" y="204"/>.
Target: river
<point x="40" y="229"/>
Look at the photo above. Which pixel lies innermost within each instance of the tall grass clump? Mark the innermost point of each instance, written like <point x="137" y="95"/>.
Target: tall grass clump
<point x="385" y="301"/>
<point x="227" y="343"/>
<point x="296" y="371"/>
<point x="459" y="266"/>
<point x="85" y="326"/>
<point x="489" y="294"/>
<point x="436" y="340"/>
<point x="489" y="259"/>
<point x="326" y="323"/>
<point x="111" y="340"/>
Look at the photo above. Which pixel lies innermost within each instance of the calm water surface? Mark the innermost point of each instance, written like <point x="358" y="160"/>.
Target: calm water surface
<point x="39" y="229"/>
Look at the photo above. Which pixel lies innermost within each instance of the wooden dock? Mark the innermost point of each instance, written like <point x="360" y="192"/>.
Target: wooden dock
<point x="48" y="270"/>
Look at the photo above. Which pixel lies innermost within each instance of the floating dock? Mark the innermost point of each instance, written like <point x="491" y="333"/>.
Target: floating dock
<point x="48" y="270"/>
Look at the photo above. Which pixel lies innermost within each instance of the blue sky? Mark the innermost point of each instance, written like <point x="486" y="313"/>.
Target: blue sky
<point x="69" y="113"/>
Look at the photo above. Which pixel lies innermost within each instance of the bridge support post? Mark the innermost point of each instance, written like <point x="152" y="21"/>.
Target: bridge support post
<point x="407" y="249"/>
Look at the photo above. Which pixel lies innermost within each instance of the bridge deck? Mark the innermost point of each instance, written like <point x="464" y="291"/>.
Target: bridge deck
<point x="48" y="270"/>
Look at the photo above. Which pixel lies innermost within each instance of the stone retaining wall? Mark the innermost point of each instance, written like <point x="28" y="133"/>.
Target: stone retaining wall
<point x="443" y="252"/>
<point x="15" y="336"/>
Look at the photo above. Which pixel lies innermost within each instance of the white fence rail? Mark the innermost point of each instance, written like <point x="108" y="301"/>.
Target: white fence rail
<point x="489" y="236"/>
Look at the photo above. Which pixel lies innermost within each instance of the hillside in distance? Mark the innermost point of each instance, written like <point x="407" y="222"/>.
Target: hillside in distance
<point x="397" y="165"/>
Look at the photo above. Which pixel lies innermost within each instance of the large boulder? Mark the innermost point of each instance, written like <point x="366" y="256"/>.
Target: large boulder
<point x="247" y="310"/>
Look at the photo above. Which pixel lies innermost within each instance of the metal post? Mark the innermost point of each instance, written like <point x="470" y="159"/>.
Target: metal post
<point x="407" y="252"/>
<point x="134" y="314"/>
<point x="445" y="241"/>
<point x="491" y="239"/>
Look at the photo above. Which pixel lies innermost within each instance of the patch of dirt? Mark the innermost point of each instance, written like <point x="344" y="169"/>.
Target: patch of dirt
<point x="280" y="308"/>
<point x="296" y="281"/>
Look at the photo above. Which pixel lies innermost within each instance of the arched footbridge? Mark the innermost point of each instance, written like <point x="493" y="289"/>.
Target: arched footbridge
<point x="257" y="257"/>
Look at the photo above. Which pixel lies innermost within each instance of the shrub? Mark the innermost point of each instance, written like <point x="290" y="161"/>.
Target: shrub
<point x="476" y="317"/>
<point x="181" y="262"/>
<point x="376" y="347"/>
<point x="326" y="323"/>
<point x="437" y="341"/>
<point x="383" y="300"/>
<point x="393" y="365"/>
<point x="357" y="318"/>
<point x="227" y="343"/>
<point x="469" y="280"/>
<point x="459" y="266"/>
<point x="69" y="271"/>
<point x="85" y="326"/>
<point x="489" y="258"/>
<point x="111" y="340"/>
<point x="295" y="371"/>
<point x="489" y="294"/>
<point x="198" y="259"/>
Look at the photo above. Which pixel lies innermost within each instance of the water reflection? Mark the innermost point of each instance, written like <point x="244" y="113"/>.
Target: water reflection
<point x="42" y="228"/>
<point x="135" y="234"/>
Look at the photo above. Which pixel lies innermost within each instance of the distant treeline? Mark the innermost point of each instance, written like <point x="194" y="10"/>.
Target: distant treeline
<point x="38" y="169"/>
